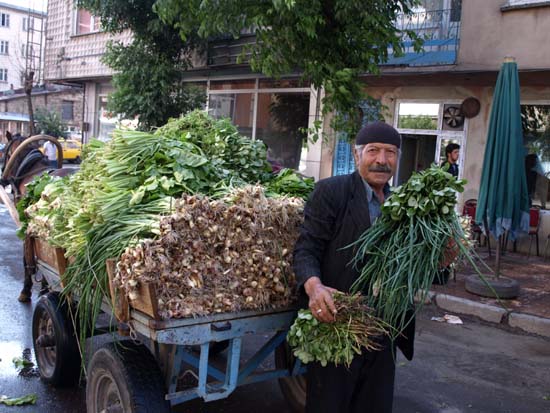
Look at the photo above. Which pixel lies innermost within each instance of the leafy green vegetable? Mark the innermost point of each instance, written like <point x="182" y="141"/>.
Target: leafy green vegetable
<point x="34" y="190"/>
<point x="19" y="401"/>
<point x="405" y="248"/>
<point x="21" y="363"/>
<point x="355" y="330"/>
<point x="288" y="182"/>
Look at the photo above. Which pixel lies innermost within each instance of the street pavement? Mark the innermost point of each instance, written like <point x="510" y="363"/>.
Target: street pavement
<point x="476" y="367"/>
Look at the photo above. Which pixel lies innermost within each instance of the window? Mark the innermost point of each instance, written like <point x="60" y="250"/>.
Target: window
<point x="67" y="110"/>
<point x="86" y="22"/>
<point x="4" y="47"/>
<point x="3" y="75"/>
<point x="28" y="24"/>
<point x="4" y="20"/>
<point x="276" y="112"/>
<point x="535" y="121"/>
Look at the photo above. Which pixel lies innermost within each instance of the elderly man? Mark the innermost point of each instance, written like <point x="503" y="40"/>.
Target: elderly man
<point x="339" y="210"/>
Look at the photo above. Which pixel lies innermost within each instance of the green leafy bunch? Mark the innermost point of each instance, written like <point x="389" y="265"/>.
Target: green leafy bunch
<point x="429" y="192"/>
<point x="355" y="330"/>
<point x="403" y="251"/>
<point x="230" y="154"/>
<point x="34" y="190"/>
<point x="289" y="182"/>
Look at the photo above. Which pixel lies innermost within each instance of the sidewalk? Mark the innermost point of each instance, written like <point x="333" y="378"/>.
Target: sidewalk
<point x="530" y="311"/>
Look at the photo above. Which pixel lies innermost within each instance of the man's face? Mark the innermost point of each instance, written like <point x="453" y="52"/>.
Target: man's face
<point x="454" y="155"/>
<point x="377" y="163"/>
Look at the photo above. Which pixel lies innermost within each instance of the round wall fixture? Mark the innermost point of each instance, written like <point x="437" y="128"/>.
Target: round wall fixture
<point x="453" y="117"/>
<point x="470" y="107"/>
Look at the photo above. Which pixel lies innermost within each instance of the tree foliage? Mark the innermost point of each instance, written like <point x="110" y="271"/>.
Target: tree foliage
<point x="149" y="71"/>
<point x="330" y="42"/>
<point x="49" y="122"/>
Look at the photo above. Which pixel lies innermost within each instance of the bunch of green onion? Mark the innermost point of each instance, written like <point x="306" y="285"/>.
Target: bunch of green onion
<point x="406" y="247"/>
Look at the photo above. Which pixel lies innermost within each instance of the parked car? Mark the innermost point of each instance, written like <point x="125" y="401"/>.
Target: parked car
<point x="71" y="150"/>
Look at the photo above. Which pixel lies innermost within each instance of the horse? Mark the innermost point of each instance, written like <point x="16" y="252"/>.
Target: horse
<point x="23" y="162"/>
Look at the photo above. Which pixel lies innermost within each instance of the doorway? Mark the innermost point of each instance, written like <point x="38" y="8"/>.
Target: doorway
<point x="417" y="154"/>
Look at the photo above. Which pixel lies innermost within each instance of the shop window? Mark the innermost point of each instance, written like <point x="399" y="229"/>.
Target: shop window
<point x="107" y="120"/>
<point x="536" y="139"/>
<point x="281" y="124"/>
<point x="239" y="107"/>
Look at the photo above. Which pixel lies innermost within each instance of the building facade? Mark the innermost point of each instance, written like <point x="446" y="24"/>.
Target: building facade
<point x="441" y="95"/>
<point x="74" y="47"/>
<point x="21" y="45"/>
<point x="66" y="101"/>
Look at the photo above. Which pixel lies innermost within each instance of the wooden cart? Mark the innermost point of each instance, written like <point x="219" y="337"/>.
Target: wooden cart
<point x="142" y="358"/>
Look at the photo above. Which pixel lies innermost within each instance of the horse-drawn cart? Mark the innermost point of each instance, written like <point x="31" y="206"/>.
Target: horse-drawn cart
<point x="139" y="360"/>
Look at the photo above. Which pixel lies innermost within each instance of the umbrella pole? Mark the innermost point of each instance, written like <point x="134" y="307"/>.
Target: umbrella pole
<point x="497" y="258"/>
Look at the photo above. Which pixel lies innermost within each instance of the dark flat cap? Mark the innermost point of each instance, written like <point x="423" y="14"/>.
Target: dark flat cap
<point x="378" y="132"/>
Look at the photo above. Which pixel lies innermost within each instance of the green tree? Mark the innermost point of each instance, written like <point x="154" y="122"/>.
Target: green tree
<point x="148" y="77"/>
<point x="331" y="42"/>
<point x="49" y="122"/>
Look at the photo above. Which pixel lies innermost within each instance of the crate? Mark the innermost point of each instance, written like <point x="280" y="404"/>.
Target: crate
<point x="146" y="301"/>
<point x="51" y="256"/>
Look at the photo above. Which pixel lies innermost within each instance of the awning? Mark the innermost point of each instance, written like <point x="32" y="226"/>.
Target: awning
<point x="17" y="117"/>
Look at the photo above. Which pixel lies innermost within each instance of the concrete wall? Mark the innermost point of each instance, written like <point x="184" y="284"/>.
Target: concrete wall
<point x="488" y="34"/>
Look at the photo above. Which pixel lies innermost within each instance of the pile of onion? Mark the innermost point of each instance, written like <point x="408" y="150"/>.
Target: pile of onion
<point x="218" y="255"/>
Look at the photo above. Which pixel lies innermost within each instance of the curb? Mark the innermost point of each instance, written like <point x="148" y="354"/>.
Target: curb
<point x="526" y="322"/>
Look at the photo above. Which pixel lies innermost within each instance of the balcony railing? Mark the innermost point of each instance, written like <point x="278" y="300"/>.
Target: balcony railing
<point x="440" y="30"/>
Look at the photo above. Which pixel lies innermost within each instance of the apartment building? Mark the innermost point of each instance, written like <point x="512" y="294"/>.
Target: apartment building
<point x="74" y="47"/>
<point x="21" y="43"/>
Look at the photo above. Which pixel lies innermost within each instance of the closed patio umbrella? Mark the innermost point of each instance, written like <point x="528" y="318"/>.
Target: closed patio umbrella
<point x="503" y="202"/>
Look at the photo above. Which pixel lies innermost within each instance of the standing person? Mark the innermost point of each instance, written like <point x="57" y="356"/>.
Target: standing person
<point x="339" y="210"/>
<point x="50" y="150"/>
<point x="452" y="151"/>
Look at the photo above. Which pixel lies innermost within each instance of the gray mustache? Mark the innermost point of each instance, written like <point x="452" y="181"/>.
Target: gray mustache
<point x="380" y="168"/>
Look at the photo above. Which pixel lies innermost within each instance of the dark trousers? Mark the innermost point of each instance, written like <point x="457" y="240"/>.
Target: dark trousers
<point x="365" y="387"/>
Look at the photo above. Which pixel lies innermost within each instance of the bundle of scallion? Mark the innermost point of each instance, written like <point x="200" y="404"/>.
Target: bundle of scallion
<point x="416" y="234"/>
<point x="354" y="330"/>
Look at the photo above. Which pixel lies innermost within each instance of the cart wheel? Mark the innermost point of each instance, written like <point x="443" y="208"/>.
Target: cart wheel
<point x="125" y="378"/>
<point x="294" y="387"/>
<point x="55" y="343"/>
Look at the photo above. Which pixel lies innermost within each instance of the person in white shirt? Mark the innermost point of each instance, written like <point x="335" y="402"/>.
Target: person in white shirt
<point x="50" y="150"/>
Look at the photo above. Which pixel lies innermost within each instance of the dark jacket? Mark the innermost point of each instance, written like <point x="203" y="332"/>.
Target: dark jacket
<point x="335" y="215"/>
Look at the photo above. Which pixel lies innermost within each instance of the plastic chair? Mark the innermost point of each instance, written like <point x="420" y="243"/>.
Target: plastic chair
<point x="534" y="224"/>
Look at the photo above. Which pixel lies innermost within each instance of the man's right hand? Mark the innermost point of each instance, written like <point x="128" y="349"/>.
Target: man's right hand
<point x="321" y="303"/>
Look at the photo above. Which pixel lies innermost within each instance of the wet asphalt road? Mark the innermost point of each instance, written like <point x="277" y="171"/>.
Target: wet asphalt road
<point x="474" y="368"/>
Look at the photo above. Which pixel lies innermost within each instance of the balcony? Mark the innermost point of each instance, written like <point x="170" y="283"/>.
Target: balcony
<point x="225" y="51"/>
<point x="440" y="30"/>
